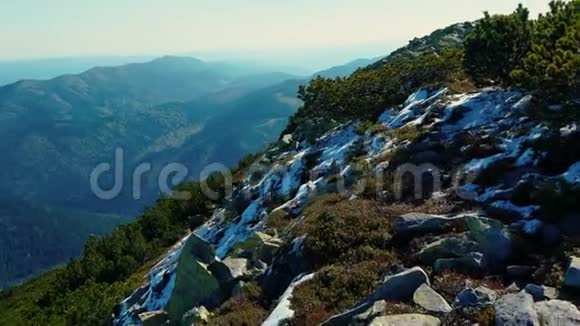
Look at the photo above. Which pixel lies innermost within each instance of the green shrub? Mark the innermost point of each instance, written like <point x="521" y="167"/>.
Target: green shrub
<point x="541" y="55"/>
<point x="552" y="63"/>
<point x="279" y="220"/>
<point x="345" y="231"/>
<point x="407" y="133"/>
<point x="370" y="127"/>
<point x="497" y="45"/>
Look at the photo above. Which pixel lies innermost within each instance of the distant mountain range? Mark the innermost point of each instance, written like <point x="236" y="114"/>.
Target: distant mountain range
<point x="172" y="109"/>
<point x="12" y="71"/>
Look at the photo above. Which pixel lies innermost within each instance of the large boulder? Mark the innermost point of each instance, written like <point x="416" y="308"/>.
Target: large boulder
<point x="475" y="297"/>
<point x="516" y="309"/>
<point x="191" y="274"/>
<point x="417" y="223"/>
<point x="201" y="249"/>
<point x="406" y="319"/>
<point x="397" y="287"/>
<point x="572" y="277"/>
<point x="430" y="300"/>
<point x="494" y="238"/>
<point x="447" y="248"/>
<point x="557" y="313"/>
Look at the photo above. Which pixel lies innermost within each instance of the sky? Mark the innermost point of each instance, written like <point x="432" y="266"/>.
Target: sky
<point x="293" y="32"/>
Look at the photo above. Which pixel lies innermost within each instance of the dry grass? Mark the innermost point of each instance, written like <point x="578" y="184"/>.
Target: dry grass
<point x="449" y="284"/>
<point x="461" y="86"/>
<point x="279" y="221"/>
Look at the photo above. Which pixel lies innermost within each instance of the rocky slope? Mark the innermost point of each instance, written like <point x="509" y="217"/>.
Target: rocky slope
<point x="472" y="238"/>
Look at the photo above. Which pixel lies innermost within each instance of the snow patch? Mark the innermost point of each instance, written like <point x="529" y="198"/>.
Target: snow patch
<point x="412" y="108"/>
<point x="479" y="109"/>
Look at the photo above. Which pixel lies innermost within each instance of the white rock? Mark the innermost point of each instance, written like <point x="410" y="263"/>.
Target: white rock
<point x="430" y="300"/>
<point x="406" y="319"/>
<point x="516" y="310"/>
<point x="557" y="313"/>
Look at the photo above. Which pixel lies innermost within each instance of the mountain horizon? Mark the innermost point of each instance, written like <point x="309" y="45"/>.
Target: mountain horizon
<point x="436" y="184"/>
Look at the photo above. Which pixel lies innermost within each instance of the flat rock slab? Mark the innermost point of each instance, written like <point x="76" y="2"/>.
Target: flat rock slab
<point x="406" y="319"/>
<point x="430" y="300"/>
<point x="417" y="223"/>
<point x="238" y="266"/>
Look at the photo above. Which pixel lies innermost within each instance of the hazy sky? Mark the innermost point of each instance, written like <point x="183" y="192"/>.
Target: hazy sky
<point x="335" y="29"/>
